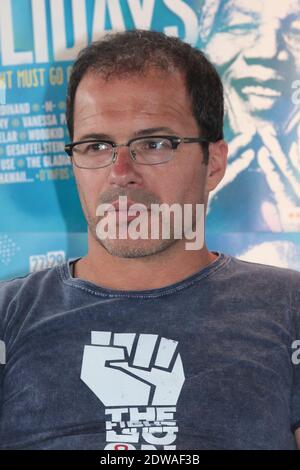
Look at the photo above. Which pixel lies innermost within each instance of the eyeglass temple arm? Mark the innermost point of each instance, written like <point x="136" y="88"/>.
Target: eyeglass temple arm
<point x="69" y="149"/>
<point x="190" y="140"/>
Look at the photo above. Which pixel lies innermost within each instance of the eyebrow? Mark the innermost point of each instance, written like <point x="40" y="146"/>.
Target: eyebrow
<point x="141" y="132"/>
<point x="230" y="9"/>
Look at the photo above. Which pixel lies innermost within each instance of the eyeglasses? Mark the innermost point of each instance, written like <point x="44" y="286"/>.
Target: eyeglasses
<point x="152" y="150"/>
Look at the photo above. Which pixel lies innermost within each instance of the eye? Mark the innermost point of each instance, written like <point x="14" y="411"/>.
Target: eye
<point x="239" y="23"/>
<point x="155" y="144"/>
<point x="292" y="36"/>
<point x="97" y="147"/>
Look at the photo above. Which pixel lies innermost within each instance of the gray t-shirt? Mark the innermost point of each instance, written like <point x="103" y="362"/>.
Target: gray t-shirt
<point x="204" y="363"/>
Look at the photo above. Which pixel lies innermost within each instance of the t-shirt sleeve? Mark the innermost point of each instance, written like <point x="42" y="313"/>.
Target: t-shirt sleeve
<point x="295" y="359"/>
<point x="9" y="291"/>
<point x="2" y="341"/>
<point x="2" y="364"/>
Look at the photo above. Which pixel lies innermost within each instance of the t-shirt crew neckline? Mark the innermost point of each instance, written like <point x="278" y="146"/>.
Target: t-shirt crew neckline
<point x="64" y="271"/>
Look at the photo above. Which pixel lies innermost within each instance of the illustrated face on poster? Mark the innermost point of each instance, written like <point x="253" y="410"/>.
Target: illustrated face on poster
<point x="256" y="47"/>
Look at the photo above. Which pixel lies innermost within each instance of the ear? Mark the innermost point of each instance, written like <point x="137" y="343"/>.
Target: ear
<point x="217" y="162"/>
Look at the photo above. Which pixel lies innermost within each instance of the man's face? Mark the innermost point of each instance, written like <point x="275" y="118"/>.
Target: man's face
<point x="257" y="44"/>
<point x="119" y="109"/>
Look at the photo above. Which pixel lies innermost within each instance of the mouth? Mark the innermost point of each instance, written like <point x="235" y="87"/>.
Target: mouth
<point x="124" y="205"/>
<point x="267" y="89"/>
<point x="261" y="91"/>
<point x="122" y="210"/>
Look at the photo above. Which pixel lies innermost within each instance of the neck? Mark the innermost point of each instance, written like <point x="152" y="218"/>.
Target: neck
<point x="148" y="272"/>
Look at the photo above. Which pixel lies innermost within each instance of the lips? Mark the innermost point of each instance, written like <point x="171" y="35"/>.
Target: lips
<point x="121" y="208"/>
<point x="261" y="91"/>
<point x="272" y="88"/>
<point x="125" y="206"/>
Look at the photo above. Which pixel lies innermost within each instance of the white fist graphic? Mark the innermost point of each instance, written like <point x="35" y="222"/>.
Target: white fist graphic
<point x="133" y="370"/>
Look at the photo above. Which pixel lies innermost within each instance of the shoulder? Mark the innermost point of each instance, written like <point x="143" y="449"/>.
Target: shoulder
<point x="15" y="285"/>
<point x="271" y="280"/>
<point x="21" y="291"/>
<point x="269" y="271"/>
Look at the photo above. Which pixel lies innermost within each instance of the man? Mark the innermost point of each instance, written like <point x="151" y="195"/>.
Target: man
<point x="256" y="47"/>
<point x="144" y="343"/>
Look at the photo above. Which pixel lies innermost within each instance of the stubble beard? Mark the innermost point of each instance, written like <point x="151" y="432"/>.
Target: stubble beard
<point x="130" y="248"/>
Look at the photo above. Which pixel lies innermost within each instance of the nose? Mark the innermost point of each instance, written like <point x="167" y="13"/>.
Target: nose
<point x="123" y="171"/>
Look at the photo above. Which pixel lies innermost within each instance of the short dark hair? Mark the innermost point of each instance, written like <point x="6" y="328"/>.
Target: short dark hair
<point x="133" y="52"/>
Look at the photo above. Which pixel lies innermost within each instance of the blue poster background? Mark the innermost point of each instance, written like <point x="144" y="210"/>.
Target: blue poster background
<point x="254" y="214"/>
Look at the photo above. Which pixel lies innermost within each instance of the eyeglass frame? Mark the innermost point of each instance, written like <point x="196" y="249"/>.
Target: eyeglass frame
<point x="175" y="141"/>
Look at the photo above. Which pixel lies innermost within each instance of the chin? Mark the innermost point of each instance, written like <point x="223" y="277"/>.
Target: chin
<point x="135" y="248"/>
